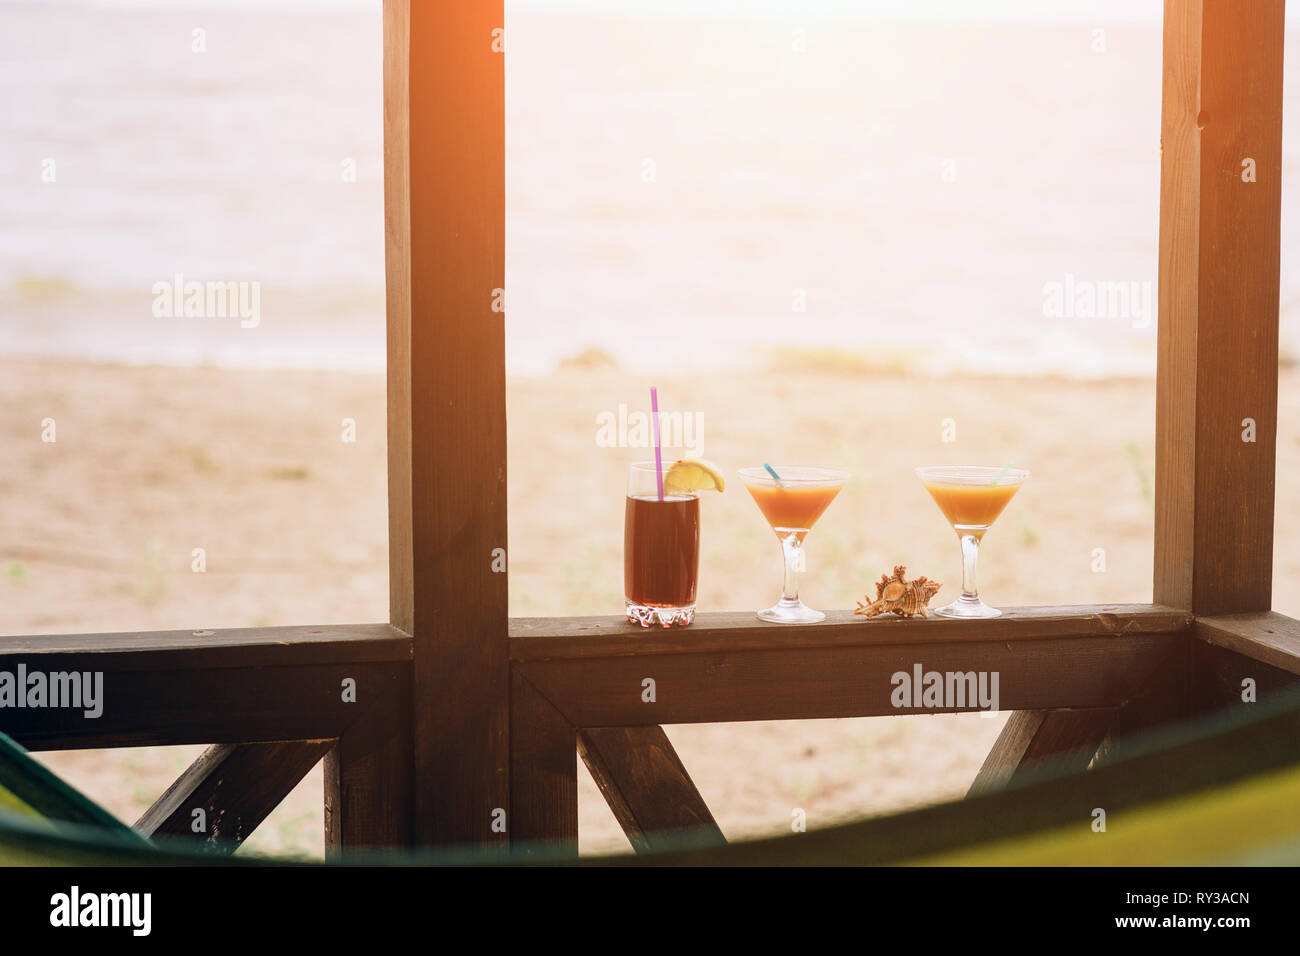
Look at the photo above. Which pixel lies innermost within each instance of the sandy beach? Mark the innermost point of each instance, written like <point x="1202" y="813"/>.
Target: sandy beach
<point x="153" y="462"/>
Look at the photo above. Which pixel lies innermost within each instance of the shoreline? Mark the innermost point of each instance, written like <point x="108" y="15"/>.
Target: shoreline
<point x="765" y="361"/>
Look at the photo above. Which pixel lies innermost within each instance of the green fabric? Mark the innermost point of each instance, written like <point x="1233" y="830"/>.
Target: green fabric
<point x="1188" y="761"/>
<point x="28" y="840"/>
<point x="1221" y="790"/>
<point x="10" y="803"/>
<point x="27" y="786"/>
<point x="1248" y="820"/>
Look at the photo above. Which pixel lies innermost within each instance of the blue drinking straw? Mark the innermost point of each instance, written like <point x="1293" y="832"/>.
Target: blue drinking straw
<point x="772" y="471"/>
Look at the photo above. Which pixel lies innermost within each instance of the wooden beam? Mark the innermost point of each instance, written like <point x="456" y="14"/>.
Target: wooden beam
<point x="850" y="681"/>
<point x="1234" y="661"/>
<point x="1269" y="638"/>
<point x="1221" y="678"/>
<point x="536" y="639"/>
<point x="235" y="787"/>
<point x="208" y="649"/>
<point x="1159" y="706"/>
<point x="543" y="775"/>
<point x="1220" y="207"/>
<point x="224" y="705"/>
<point x="647" y="786"/>
<point x="369" y="797"/>
<point x="1242" y="662"/>
<point x="444" y="147"/>
<point x="1177" y="300"/>
<point x="397" y="290"/>
<point x="1035" y="741"/>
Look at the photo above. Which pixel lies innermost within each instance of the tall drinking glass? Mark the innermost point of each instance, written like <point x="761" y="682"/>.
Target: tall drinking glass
<point x="661" y="551"/>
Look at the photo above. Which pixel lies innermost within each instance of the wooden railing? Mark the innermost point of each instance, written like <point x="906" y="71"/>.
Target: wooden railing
<point x="277" y="700"/>
<point x="465" y="727"/>
<point x="576" y="679"/>
<point x="273" y="701"/>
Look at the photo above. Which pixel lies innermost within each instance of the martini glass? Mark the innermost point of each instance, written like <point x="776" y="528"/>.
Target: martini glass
<point x="971" y="497"/>
<point x="792" y="504"/>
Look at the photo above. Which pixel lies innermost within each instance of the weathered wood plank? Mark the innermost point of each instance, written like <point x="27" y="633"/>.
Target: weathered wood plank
<point x="1240" y="661"/>
<point x="444" y="144"/>
<point x="209" y="649"/>
<point x="647" y="786"/>
<point x="397" y="290"/>
<point x="1231" y="661"/>
<point x="1220" y="202"/>
<point x="1270" y="638"/>
<point x="1221" y="678"/>
<point x="220" y="705"/>
<point x="1158" y="706"/>
<point x="369" y="772"/>
<point x="543" y="775"/>
<point x="611" y="636"/>
<point x="854" y="681"/>
<point x="1065" y="740"/>
<point x="235" y="787"/>
<point x="1177" y="300"/>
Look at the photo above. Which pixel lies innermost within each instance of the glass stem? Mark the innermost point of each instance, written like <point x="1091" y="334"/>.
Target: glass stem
<point x="792" y="549"/>
<point x="970" y="555"/>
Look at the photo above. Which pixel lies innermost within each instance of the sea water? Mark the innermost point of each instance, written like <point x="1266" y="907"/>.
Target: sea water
<point x="688" y="185"/>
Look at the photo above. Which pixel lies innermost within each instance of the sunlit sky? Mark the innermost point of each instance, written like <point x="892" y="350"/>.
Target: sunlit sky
<point x="1108" y="11"/>
<point x="929" y="10"/>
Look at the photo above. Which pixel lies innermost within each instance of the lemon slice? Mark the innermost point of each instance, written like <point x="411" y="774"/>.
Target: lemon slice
<point x="694" y="474"/>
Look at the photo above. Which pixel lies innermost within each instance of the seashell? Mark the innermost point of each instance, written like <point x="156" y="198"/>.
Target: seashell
<point x="897" y="595"/>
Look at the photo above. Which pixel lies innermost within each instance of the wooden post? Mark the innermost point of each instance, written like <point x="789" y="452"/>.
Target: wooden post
<point x="1216" y="404"/>
<point x="368" y="777"/>
<point x="543" y="775"/>
<point x="444" y="161"/>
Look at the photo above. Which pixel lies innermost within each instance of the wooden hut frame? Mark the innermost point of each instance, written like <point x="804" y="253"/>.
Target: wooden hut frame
<point x="467" y="726"/>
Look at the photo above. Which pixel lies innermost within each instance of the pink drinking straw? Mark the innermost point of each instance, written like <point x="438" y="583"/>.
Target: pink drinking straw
<point x="659" y="455"/>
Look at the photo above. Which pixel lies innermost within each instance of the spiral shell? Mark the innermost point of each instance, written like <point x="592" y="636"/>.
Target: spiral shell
<point x="897" y="595"/>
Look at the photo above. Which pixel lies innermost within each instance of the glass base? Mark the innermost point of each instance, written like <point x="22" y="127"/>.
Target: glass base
<point x="648" y="616"/>
<point x="968" y="608"/>
<point x="791" y="612"/>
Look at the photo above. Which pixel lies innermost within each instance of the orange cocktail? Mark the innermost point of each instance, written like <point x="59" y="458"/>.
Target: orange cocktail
<point x="971" y="497"/>
<point x="791" y="507"/>
<point x="974" y="507"/>
<point x="792" y="499"/>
